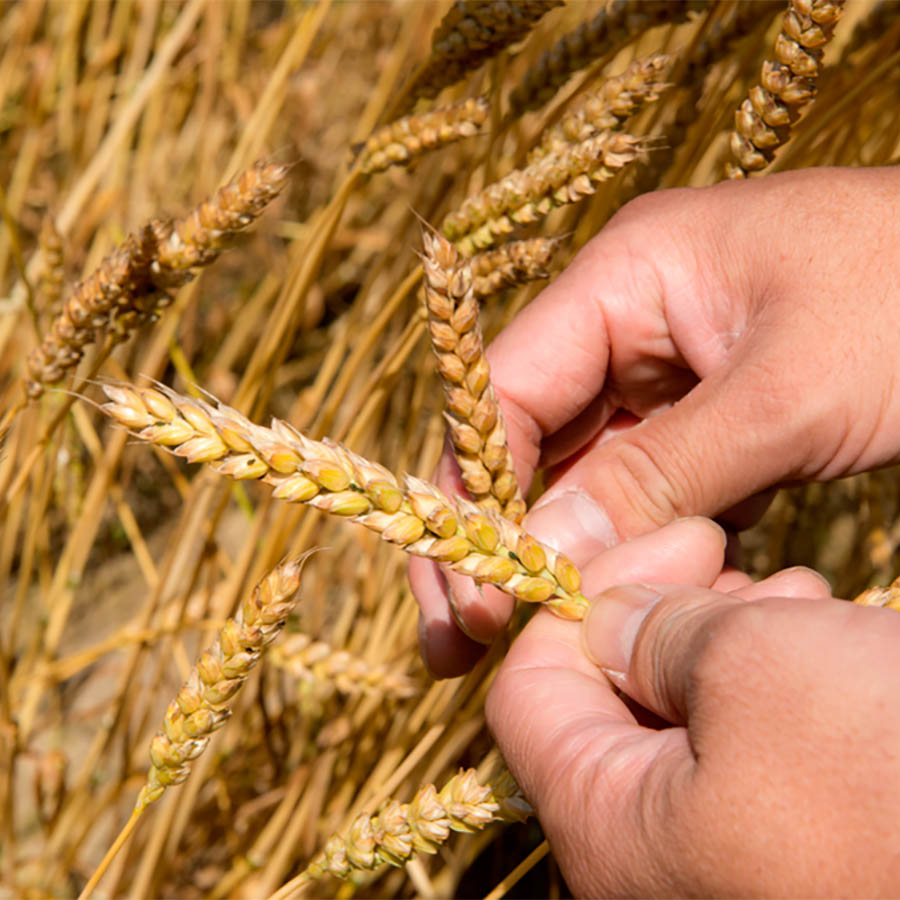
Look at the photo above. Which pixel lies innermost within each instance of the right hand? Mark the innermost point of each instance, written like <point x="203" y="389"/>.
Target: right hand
<point x="707" y="345"/>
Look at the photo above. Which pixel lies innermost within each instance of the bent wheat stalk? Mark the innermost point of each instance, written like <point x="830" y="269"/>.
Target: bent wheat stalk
<point x="418" y="517"/>
<point x="477" y="429"/>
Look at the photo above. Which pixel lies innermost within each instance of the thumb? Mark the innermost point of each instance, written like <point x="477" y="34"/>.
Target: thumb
<point x="650" y="641"/>
<point x="736" y="433"/>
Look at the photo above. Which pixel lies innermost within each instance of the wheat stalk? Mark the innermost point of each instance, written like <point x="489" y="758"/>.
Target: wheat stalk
<point x="418" y="517"/>
<point x="477" y="429"/>
<point x="763" y="121"/>
<point x="200" y="708"/>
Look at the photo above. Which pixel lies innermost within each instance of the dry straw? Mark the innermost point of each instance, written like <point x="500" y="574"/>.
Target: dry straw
<point x="417" y="517"/>
<point x="475" y="421"/>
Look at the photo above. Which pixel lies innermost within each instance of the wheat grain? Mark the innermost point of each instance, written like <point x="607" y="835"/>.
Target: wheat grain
<point x="400" y="830"/>
<point x="763" y="121"/>
<point x="404" y="139"/>
<point x="417" y="517"/>
<point x="881" y="596"/>
<point x="477" y="429"/>
<point x="512" y="264"/>
<point x="200" y="708"/>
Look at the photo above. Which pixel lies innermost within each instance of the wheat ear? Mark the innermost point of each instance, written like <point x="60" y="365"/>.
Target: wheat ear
<point x="400" y="830"/>
<point x="404" y="139"/>
<point x="316" y="662"/>
<point x="133" y="283"/>
<point x="618" y="22"/>
<point x="199" y="708"/>
<point x="525" y="195"/>
<point x="417" y="517"/>
<point x="763" y="121"/>
<point x="512" y="264"/>
<point x="606" y="109"/>
<point x="477" y="429"/>
<point x="471" y="33"/>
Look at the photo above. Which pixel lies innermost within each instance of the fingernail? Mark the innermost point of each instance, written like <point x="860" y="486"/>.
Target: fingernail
<point x="612" y="624"/>
<point x="573" y="523"/>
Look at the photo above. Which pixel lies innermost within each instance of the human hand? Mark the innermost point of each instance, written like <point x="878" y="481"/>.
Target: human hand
<point x="778" y="776"/>
<point x="706" y="345"/>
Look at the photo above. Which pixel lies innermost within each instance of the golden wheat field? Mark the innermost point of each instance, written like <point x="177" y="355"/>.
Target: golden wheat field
<point x="236" y="232"/>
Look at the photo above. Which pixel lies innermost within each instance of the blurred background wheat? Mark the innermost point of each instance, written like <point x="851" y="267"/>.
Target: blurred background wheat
<point x="119" y="564"/>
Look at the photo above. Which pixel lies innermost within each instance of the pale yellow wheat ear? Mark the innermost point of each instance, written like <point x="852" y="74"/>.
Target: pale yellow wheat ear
<point x="134" y="282"/>
<point x="474" y="418"/>
<point x="526" y="195"/>
<point x="471" y="33"/>
<point x="201" y="706"/>
<point x="764" y="120"/>
<point x="417" y="516"/>
<point x="400" y="830"/>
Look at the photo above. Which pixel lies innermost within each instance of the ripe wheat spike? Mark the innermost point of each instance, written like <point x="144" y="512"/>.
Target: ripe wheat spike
<point x="764" y="120"/>
<point x="474" y="418"/>
<point x="512" y="264"/>
<point x="417" y="517"/>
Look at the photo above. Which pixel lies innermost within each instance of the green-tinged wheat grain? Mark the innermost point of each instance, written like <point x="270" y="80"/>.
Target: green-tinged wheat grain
<point x="764" y="120"/>
<point x="417" y="517"/>
<point x="477" y="429"/>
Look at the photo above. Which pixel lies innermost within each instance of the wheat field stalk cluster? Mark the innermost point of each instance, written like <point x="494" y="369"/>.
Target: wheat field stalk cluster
<point x="251" y="256"/>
